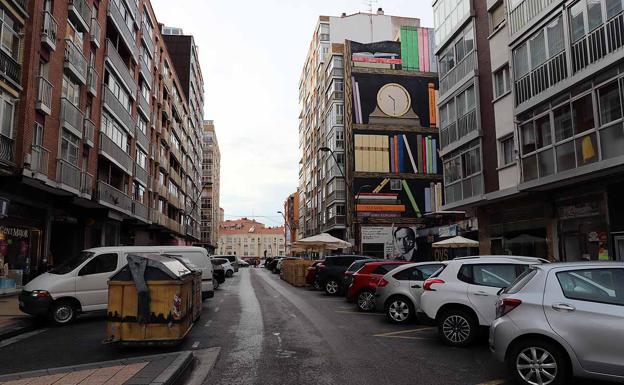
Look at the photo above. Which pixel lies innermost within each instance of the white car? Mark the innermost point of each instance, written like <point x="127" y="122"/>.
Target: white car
<point x="463" y="295"/>
<point x="227" y="266"/>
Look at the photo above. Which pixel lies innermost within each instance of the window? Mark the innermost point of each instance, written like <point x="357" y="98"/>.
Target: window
<point x="118" y="90"/>
<point x="594" y="14"/>
<point x="501" y="82"/>
<point x="583" y="114"/>
<point x="9" y="35"/>
<point x="70" y="147"/>
<point x="613" y="7"/>
<point x="111" y="129"/>
<point x="7" y="111"/>
<point x="471" y="163"/>
<point x="494" y="275"/>
<point x="610" y="103"/>
<point x="497" y="16"/>
<point x="71" y="91"/>
<point x="142" y="125"/>
<point x="138" y="192"/>
<point x="577" y="20"/>
<point x="507" y="151"/>
<point x="145" y="91"/>
<point x="595" y="285"/>
<point x="427" y="271"/>
<point x="405" y="275"/>
<point x="103" y="263"/>
<point x="141" y="158"/>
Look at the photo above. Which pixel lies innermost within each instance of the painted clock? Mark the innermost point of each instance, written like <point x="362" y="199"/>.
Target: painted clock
<point x="394" y="100"/>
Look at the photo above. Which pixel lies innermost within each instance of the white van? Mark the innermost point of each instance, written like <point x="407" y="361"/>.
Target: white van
<point x="80" y="285"/>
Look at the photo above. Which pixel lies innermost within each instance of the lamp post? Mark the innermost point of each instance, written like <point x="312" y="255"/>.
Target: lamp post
<point x="348" y="186"/>
<point x="286" y="227"/>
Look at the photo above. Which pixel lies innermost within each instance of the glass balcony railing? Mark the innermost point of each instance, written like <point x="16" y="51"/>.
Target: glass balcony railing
<point x="39" y="159"/>
<point x="80" y="12"/>
<point x="68" y="174"/>
<point x="71" y="117"/>
<point x="49" y="30"/>
<point x="112" y="197"/>
<point x="75" y="61"/>
<point x="44" y="96"/>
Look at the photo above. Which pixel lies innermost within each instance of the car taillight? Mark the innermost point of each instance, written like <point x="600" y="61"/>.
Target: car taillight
<point x="428" y="283"/>
<point x="382" y="283"/>
<point x="505" y="305"/>
<point x="374" y="280"/>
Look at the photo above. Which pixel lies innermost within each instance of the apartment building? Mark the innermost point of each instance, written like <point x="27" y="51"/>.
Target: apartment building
<point x="97" y="142"/>
<point x="248" y="238"/>
<point x="211" y="166"/>
<point x="557" y="131"/>
<point x="322" y="199"/>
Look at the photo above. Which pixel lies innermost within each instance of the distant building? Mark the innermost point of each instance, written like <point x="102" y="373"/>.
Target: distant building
<point x="211" y="164"/>
<point x="249" y="238"/>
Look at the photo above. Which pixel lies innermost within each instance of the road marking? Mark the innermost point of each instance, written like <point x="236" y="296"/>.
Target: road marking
<point x="358" y="312"/>
<point x="494" y="382"/>
<point x="221" y="300"/>
<point x="195" y="344"/>
<point x="208" y="323"/>
<point x="217" y="309"/>
<point x="399" y="334"/>
<point x="21" y="337"/>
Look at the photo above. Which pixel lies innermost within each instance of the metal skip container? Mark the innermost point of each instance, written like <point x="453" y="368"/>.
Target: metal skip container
<point x="154" y="300"/>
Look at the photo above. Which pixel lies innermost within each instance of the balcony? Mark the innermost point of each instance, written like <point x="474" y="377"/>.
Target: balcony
<point x="44" y="96"/>
<point x="80" y="12"/>
<point x="114" y="106"/>
<point x="599" y="43"/>
<point x="7" y="151"/>
<point x="523" y="13"/>
<point x="335" y="195"/>
<point x="10" y="69"/>
<point x="86" y="185"/>
<point x="111" y="197"/>
<point x="49" y="31"/>
<point x="75" y="62"/>
<point x="39" y="158"/>
<point x="89" y="132"/>
<point x="96" y="32"/>
<point x="162" y="160"/>
<point x="142" y="139"/>
<point x="92" y="81"/>
<point x="192" y="231"/>
<point x="71" y="117"/>
<point x="174" y="201"/>
<point x="120" y="67"/>
<point x="467" y="124"/>
<point x="176" y="153"/>
<point x="140" y="211"/>
<point x="174" y="176"/>
<point x="22" y="6"/>
<point x="119" y="22"/>
<point x="158" y="218"/>
<point x="456" y="74"/>
<point x="162" y="190"/>
<point x="338" y="220"/>
<point x="146" y="72"/>
<point x="147" y="38"/>
<point x="115" y="154"/>
<point x="144" y="105"/>
<point x="141" y="174"/>
<point x="68" y="176"/>
<point x="174" y="225"/>
<point x="541" y="78"/>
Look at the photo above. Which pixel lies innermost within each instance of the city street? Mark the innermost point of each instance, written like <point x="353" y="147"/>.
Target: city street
<point x="270" y="332"/>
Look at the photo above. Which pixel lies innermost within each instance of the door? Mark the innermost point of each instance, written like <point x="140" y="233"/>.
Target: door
<point x="619" y="247"/>
<point x="92" y="281"/>
<point x="486" y="280"/>
<point x="586" y="308"/>
<point x="417" y="278"/>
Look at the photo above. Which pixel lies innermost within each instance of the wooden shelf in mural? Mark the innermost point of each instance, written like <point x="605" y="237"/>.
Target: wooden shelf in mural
<point x="390" y="71"/>
<point x="396" y="221"/>
<point x="394" y="128"/>
<point x="394" y="175"/>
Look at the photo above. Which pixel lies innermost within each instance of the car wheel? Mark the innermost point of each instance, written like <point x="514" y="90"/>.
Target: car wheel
<point x="332" y="287"/>
<point x="399" y="310"/>
<point x="316" y="285"/>
<point x="457" y="328"/>
<point x="63" y="312"/>
<point x="366" y="300"/>
<point x="229" y="273"/>
<point x="535" y="362"/>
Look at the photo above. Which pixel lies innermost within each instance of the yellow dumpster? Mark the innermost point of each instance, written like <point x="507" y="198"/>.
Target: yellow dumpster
<point x="154" y="300"/>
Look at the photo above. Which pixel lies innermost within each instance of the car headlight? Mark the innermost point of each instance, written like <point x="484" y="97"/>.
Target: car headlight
<point x="40" y="293"/>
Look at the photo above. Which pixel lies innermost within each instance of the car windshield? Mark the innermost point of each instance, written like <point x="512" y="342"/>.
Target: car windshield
<point x="72" y="263"/>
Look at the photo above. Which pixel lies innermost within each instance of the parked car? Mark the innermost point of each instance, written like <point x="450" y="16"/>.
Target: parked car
<point x="348" y="275"/>
<point x="562" y="319"/>
<point x="242" y="263"/>
<point x="278" y="266"/>
<point x="267" y="262"/>
<point x="80" y="284"/>
<point x="227" y="266"/>
<point x="398" y="292"/>
<point x="311" y="274"/>
<point x="331" y="272"/>
<point x="364" y="281"/>
<point x="233" y="261"/>
<point x="218" y="274"/>
<point x="463" y="295"/>
<point x="273" y="264"/>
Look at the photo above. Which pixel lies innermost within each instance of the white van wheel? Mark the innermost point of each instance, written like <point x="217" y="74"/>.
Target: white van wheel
<point x="63" y="312"/>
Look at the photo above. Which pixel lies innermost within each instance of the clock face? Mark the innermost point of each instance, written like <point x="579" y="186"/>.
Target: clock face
<point x="394" y="100"/>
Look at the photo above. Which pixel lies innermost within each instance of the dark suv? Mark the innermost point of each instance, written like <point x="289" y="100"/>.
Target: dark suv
<point x="330" y="273"/>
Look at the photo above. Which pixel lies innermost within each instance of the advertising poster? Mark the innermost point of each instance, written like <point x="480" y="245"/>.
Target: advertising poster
<point x="398" y="242"/>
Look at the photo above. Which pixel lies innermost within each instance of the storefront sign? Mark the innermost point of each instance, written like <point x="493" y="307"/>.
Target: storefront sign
<point x="14" y="232"/>
<point x="578" y="211"/>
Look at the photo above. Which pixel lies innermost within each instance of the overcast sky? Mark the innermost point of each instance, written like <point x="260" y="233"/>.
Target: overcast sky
<point x="251" y="54"/>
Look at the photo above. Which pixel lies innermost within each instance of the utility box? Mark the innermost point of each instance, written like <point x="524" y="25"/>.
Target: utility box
<point x="154" y="300"/>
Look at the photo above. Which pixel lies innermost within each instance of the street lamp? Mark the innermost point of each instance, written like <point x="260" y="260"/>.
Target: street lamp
<point x="287" y="226"/>
<point x="348" y="186"/>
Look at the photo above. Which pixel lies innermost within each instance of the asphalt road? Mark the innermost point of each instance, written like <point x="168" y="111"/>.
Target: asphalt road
<point x="272" y="333"/>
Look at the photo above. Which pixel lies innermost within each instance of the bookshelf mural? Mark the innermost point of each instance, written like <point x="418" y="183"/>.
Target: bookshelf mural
<point x="398" y="153"/>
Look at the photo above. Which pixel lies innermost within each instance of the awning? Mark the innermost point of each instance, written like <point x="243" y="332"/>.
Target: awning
<point x="319" y="242"/>
<point x="455" y="243"/>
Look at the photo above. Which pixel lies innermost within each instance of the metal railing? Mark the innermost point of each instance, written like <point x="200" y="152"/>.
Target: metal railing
<point x="96" y="32"/>
<point x="86" y="184"/>
<point x="7" y="152"/>
<point x="92" y="81"/>
<point x="23" y="4"/>
<point x="89" y="131"/>
<point x="71" y="116"/>
<point x="115" y="153"/>
<point x="467" y="65"/>
<point x="10" y="68"/>
<point x="75" y="61"/>
<point x="140" y="210"/>
<point x="140" y="174"/>
<point x="120" y="66"/>
<point x="49" y="30"/>
<point x="115" y="106"/>
<point x="124" y="31"/>
<point x="39" y="159"/>
<point x="607" y="38"/>
<point x="44" y="95"/>
<point x="68" y="174"/>
<point x="112" y="196"/>
<point x="525" y="12"/>
<point x="541" y="78"/>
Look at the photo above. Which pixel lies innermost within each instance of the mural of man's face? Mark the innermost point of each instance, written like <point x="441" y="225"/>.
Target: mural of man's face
<point x="404" y="240"/>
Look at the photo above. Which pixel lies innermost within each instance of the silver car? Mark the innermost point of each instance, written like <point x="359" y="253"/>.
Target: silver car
<point x="398" y="293"/>
<point x="562" y="319"/>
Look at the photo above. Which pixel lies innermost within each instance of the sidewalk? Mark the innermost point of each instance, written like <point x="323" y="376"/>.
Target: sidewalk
<point x="160" y="369"/>
<point x="12" y="320"/>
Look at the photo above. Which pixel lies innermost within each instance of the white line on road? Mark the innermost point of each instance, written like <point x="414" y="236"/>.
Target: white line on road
<point x="358" y="312"/>
<point x="221" y="300"/>
<point x="208" y="323"/>
<point x="21" y="337"/>
<point x="195" y="344"/>
<point x="217" y="309"/>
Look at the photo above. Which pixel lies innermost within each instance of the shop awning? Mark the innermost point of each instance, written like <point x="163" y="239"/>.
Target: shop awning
<point x="455" y="242"/>
<point x="320" y="242"/>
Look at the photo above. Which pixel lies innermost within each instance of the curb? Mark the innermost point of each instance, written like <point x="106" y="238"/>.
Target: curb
<point x="173" y="372"/>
